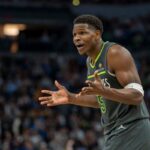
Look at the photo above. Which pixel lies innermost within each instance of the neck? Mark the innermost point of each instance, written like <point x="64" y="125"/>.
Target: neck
<point x="96" y="51"/>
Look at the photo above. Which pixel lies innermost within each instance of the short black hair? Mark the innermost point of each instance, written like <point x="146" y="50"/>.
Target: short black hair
<point x="90" y="20"/>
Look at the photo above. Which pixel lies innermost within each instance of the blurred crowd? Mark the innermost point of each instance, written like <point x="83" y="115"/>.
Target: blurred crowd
<point x="24" y="124"/>
<point x="132" y="33"/>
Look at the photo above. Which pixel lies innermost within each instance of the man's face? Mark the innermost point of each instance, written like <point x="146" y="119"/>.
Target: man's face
<point x="85" y="38"/>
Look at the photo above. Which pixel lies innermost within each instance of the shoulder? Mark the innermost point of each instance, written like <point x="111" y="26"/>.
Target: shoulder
<point x="118" y="50"/>
<point x="119" y="56"/>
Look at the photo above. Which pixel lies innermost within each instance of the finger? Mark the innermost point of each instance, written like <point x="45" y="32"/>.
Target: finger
<point x="47" y="92"/>
<point x="46" y="102"/>
<point x="58" y="85"/>
<point x="49" y="105"/>
<point x="97" y="77"/>
<point x="78" y="95"/>
<point x="86" y="93"/>
<point x="81" y="93"/>
<point x="87" y="89"/>
<point x="88" y="82"/>
<point x="54" y="103"/>
<point x="44" y="98"/>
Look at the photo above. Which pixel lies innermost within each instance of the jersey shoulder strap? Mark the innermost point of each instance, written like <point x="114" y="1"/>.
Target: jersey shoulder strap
<point x="103" y="57"/>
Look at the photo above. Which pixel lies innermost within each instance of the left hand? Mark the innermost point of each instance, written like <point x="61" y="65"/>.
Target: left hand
<point x="54" y="98"/>
<point x="94" y="87"/>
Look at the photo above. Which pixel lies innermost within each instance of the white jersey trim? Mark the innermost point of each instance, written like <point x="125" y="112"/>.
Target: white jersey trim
<point x="112" y="74"/>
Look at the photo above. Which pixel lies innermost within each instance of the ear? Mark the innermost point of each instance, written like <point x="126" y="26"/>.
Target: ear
<point x="98" y="34"/>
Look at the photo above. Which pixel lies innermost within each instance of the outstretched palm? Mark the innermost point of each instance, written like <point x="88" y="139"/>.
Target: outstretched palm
<point x="55" y="97"/>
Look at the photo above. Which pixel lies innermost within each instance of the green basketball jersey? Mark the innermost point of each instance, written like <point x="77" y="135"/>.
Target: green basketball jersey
<point x="113" y="113"/>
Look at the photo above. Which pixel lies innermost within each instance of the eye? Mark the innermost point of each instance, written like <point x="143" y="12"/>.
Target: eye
<point x="82" y="32"/>
<point x="74" y="34"/>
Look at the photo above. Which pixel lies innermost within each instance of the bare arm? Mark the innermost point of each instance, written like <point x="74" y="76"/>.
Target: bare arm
<point x="121" y="63"/>
<point x="84" y="100"/>
<point x="63" y="96"/>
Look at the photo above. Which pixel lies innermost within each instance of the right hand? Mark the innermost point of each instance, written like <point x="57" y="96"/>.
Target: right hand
<point x="94" y="87"/>
<point x="54" y="98"/>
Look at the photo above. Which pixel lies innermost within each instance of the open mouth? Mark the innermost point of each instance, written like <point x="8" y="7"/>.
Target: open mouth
<point x="80" y="46"/>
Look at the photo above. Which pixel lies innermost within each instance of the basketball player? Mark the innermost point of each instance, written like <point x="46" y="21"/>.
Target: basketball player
<point x="114" y="86"/>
